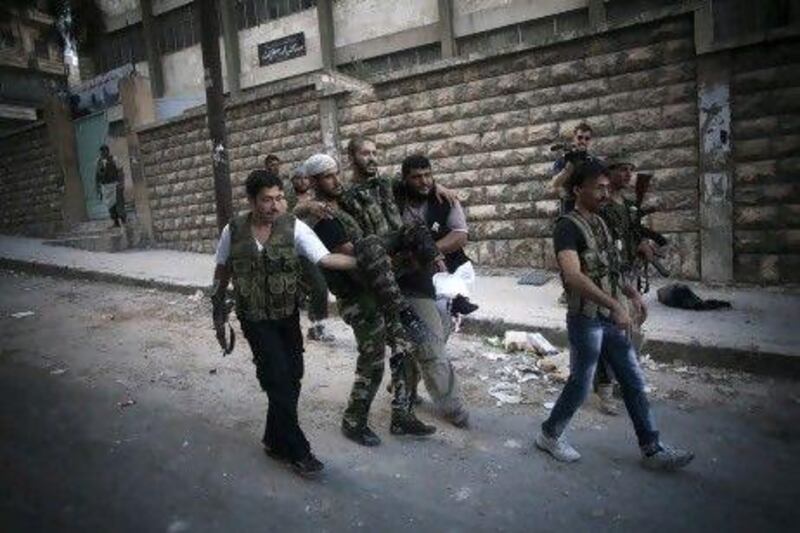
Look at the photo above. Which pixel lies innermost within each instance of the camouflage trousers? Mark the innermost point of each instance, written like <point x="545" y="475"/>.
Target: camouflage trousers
<point x="374" y="331"/>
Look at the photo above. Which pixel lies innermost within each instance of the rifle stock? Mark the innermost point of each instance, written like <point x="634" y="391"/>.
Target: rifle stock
<point x="643" y="181"/>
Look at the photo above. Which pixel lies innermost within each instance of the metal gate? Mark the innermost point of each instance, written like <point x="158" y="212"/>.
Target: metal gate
<point x="90" y="134"/>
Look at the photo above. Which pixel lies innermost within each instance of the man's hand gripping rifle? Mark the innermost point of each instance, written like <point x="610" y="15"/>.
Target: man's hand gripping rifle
<point x="221" y="307"/>
<point x="642" y="232"/>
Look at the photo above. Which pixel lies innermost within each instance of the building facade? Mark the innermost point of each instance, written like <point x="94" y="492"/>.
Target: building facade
<point x="703" y="94"/>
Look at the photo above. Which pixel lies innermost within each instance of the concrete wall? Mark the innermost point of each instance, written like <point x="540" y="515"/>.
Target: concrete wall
<point x="176" y="157"/>
<point x="31" y="184"/>
<point x="361" y="20"/>
<point x="765" y="91"/>
<point x="253" y="74"/>
<point x="488" y="125"/>
<point x="183" y="72"/>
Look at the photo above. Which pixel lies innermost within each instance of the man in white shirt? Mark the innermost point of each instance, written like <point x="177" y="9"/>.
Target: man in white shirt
<point x="259" y="252"/>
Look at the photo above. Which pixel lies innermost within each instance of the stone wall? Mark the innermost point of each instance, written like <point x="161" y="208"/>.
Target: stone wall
<point x="31" y="184"/>
<point x="177" y="162"/>
<point x="766" y="144"/>
<point x="487" y="127"/>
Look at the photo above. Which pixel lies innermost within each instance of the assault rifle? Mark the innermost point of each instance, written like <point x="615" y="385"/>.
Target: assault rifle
<point x="643" y="232"/>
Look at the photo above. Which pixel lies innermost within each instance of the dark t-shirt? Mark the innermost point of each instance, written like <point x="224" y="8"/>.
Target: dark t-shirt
<point x="567" y="236"/>
<point x="331" y="232"/>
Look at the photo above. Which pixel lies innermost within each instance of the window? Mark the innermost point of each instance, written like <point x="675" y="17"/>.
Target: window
<point x="7" y="39"/>
<point x="177" y="29"/>
<point x="251" y="13"/>
<point x="121" y="47"/>
<point x="41" y="48"/>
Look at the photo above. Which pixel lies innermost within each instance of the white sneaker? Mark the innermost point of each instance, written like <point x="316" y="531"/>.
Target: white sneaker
<point x="668" y="459"/>
<point x="559" y="448"/>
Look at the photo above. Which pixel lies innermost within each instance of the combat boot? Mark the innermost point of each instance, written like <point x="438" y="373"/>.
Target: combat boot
<point x="360" y="434"/>
<point x="459" y="418"/>
<point x="408" y="424"/>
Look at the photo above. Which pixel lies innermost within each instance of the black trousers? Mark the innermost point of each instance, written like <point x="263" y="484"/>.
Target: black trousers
<point x="117" y="211"/>
<point x="277" y="347"/>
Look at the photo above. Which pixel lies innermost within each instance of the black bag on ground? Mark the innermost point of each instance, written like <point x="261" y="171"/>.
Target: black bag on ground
<point x="681" y="296"/>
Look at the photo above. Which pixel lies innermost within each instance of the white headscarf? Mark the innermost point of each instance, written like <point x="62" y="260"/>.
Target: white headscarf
<point x="319" y="164"/>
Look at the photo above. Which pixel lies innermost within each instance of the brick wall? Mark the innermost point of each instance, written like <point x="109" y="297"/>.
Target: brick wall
<point x="487" y="127"/>
<point x="766" y="143"/>
<point x="177" y="162"/>
<point x="31" y="184"/>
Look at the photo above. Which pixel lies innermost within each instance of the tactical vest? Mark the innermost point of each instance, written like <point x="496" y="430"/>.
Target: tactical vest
<point x="264" y="283"/>
<point x="599" y="261"/>
<point x="373" y="206"/>
<point x="619" y="217"/>
<point x="436" y="219"/>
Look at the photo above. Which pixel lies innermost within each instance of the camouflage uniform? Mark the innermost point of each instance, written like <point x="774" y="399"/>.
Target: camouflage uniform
<point x="619" y="217"/>
<point x="370" y="212"/>
<point x="369" y="306"/>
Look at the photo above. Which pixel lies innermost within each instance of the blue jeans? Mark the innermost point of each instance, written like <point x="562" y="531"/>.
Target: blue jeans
<point x="587" y="338"/>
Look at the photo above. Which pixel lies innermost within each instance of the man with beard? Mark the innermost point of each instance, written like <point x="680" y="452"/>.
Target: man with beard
<point x="618" y="213"/>
<point x="259" y="252"/>
<point x="447" y="223"/>
<point x="598" y="321"/>
<point x="368" y="311"/>
<point x="305" y="207"/>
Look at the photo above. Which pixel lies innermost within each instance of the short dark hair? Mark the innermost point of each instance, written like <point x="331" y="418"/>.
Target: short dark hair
<point x="414" y="162"/>
<point x="104" y="148"/>
<point x="271" y="157"/>
<point x="587" y="170"/>
<point x="261" y="179"/>
<point x="356" y="143"/>
<point x="583" y="126"/>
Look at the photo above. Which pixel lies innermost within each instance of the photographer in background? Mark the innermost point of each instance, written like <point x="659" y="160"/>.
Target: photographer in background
<point x="563" y="168"/>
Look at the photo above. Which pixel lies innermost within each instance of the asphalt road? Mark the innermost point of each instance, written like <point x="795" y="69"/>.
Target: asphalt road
<point x="74" y="456"/>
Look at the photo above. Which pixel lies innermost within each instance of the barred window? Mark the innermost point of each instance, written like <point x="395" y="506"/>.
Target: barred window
<point x="177" y="29"/>
<point x="121" y="47"/>
<point x="254" y="12"/>
<point x="7" y="38"/>
<point x="41" y="48"/>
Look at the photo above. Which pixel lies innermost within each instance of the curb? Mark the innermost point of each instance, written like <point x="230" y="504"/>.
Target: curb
<point x="67" y="272"/>
<point x="762" y="363"/>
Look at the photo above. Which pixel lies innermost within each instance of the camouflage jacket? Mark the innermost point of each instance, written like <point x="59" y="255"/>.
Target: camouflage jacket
<point x="621" y="221"/>
<point x="373" y="206"/>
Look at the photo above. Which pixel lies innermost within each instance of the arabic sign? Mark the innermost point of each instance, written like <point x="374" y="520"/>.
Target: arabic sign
<point x="282" y="49"/>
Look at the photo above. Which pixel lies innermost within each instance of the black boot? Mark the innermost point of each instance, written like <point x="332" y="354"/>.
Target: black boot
<point x="360" y="434"/>
<point x="408" y="424"/>
<point x="308" y="466"/>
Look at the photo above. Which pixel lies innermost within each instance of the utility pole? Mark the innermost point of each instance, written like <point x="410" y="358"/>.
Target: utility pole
<point x="153" y="57"/>
<point x="230" y="36"/>
<point x="215" y="108"/>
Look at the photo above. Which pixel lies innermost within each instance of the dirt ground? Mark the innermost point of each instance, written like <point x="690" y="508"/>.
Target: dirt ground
<point x="119" y="413"/>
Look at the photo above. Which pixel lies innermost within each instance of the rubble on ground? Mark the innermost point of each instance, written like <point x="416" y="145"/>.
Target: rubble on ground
<point x="525" y="358"/>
